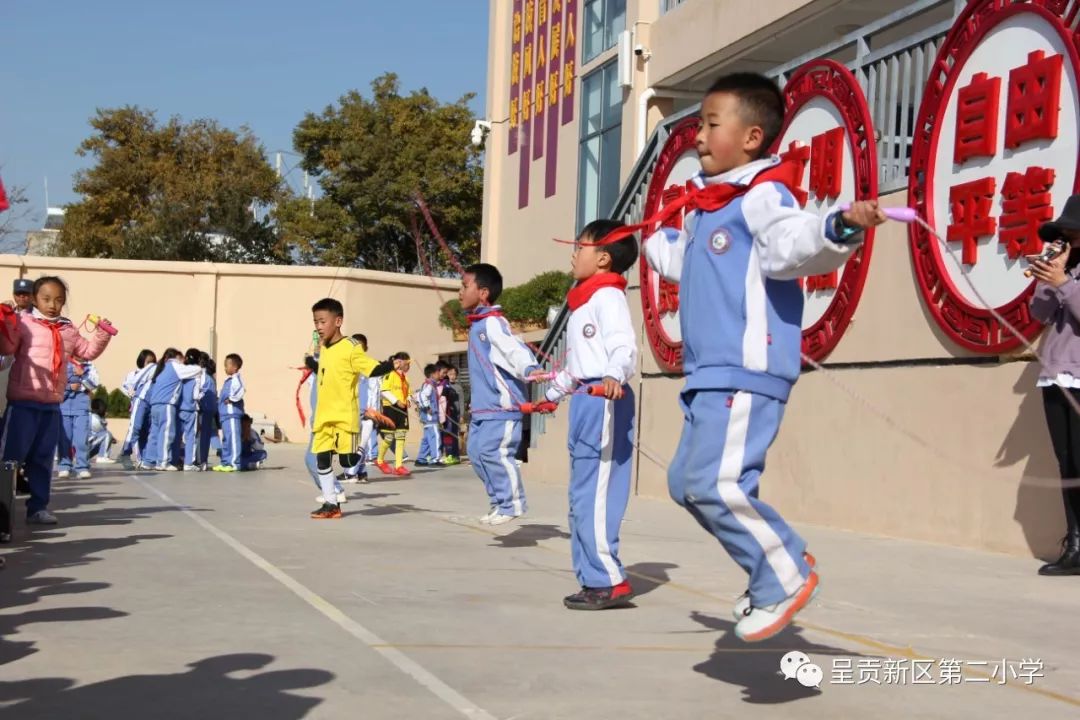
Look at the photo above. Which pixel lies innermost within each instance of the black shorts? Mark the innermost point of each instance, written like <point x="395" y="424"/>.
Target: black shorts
<point x="399" y="417"/>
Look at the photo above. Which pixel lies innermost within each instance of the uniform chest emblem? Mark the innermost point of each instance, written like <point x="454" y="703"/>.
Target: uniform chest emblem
<point x="589" y="330"/>
<point x="483" y="337"/>
<point x="720" y="241"/>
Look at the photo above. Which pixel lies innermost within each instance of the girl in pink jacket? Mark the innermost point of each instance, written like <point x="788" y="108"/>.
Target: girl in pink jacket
<point x="42" y="341"/>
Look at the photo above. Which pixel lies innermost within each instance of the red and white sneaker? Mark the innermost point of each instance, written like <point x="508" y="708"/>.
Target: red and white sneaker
<point x="384" y="468"/>
<point x="759" y="624"/>
<point x="600" y="598"/>
<point x="743" y="602"/>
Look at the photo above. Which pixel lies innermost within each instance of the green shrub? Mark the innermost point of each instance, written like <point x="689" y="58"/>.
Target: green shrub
<point x="452" y="317"/>
<point x="118" y="404"/>
<point x="527" y="303"/>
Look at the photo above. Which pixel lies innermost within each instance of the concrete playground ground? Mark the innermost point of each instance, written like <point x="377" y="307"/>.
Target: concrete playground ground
<point x="207" y="595"/>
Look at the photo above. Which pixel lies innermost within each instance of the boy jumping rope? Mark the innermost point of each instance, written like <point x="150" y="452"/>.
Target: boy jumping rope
<point x="601" y="350"/>
<point x="336" y="426"/>
<point x="498" y="366"/>
<point x="741" y="316"/>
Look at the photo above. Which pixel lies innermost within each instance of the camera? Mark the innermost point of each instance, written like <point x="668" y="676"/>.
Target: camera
<point x="479" y="132"/>
<point x="640" y="50"/>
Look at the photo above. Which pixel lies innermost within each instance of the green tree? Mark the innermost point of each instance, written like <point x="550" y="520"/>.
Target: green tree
<point x="172" y="191"/>
<point x="370" y="156"/>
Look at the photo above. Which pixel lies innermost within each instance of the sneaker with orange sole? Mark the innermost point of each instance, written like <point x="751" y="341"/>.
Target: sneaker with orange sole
<point x="759" y="624"/>
<point x="327" y="512"/>
<point x="743" y="603"/>
<point x="402" y="471"/>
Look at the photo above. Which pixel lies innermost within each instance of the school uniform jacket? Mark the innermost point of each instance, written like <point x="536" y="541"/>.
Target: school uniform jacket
<point x="498" y="366"/>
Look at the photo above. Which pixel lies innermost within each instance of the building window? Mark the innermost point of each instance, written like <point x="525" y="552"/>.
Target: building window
<point x="601" y="144"/>
<point x="669" y="5"/>
<point x="604" y="20"/>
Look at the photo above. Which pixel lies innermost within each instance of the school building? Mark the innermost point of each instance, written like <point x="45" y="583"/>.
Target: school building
<point x="922" y="419"/>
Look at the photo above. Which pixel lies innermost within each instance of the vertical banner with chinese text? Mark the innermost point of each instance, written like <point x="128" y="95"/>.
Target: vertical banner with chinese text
<point x="540" y="61"/>
<point x="528" y="66"/>
<point x="554" y="90"/>
<point x="515" y="79"/>
<point x="569" y="59"/>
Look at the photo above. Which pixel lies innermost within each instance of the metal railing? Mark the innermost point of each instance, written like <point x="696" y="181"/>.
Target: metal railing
<point x="892" y="77"/>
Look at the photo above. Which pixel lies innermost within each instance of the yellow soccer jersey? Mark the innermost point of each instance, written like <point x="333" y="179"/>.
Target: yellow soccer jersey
<point x="397" y="385"/>
<point x="340" y="366"/>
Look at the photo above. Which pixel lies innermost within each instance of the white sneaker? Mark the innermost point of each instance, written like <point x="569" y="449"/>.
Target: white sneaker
<point x="42" y="517"/>
<point x="491" y="513"/>
<point x="350" y="479"/>
<point x="743" y="603"/>
<point x="342" y="498"/>
<point x="102" y="460"/>
<point x="192" y="468"/>
<point x="63" y="474"/>
<point x="759" y="624"/>
<point x="259" y="465"/>
<point x="84" y="475"/>
<point x="170" y="468"/>
<point x="502" y="519"/>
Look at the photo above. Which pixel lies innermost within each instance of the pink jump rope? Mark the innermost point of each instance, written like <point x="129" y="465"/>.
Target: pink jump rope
<point x="95" y="321"/>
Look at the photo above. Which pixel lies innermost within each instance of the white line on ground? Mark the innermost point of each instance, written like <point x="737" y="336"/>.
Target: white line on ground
<point x="402" y="662"/>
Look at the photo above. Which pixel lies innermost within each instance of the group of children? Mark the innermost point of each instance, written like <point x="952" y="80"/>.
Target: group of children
<point x="737" y="263"/>
<point x="176" y="410"/>
<point x="745" y="244"/>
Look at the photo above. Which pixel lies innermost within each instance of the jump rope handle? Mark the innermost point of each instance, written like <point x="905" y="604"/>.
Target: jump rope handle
<point x="903" y="214"/>
<point x="105" y="325"/>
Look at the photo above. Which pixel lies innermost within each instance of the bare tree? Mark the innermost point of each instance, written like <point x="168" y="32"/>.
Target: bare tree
<point x="12" y="236"/>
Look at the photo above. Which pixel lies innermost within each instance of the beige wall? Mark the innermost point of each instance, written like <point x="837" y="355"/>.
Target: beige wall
<point x="261" y="312"/>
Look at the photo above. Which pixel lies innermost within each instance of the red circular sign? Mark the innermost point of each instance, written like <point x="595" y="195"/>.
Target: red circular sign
<point x="833" y="84"/>
<point x="978" y="104"/>
<point x="659" y="298"/>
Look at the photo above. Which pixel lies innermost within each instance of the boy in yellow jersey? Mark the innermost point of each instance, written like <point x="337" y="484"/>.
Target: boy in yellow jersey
<point x="395" y="397"/>
<point x="336" y="426"/>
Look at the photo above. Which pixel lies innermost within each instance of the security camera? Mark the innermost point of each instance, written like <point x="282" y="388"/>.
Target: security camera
<point x="479" y="132"/>
<point x="642" y="51"/>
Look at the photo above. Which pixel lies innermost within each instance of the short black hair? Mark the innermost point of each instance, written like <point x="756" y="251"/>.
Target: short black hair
<point x="488" y="278"/>
<point x="145" y="355"/>
<point x="624" y="253"/>
<point x="442" y="365"/>
<point x="429" y="369"/>
<point x="330" y="305"/>
<point x="97" y="406"/>
<point x="362" y="339"/>
<point x="49" y="280"/>
<point x="245" y="418"/>
<point x="208" y="363"/>
<point x="239" y="361"/>
<point x="760" y="101"/>
<point x="191" y="357"/>
<point x="401" y="356"/>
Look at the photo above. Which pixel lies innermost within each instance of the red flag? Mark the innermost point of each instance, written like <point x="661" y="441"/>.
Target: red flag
<point x="4" y="205"/>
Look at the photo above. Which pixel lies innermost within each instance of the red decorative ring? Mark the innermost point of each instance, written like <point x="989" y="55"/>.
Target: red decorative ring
<point x="834" y="82"/>
<point x="683" y="136"/>
<point x="969" y="326"/>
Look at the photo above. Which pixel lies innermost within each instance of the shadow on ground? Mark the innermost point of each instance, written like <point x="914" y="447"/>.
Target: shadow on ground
<point x="529" y="536"/>
<point x="757" y="669"/>
<point x="208" y="689"/>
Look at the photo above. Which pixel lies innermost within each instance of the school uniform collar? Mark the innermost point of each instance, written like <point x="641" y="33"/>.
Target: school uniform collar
<point x="584" y="290"/>
<point x="37" y="315"/>
<point x="485" y="311"/>
<point x="741" y="175"/>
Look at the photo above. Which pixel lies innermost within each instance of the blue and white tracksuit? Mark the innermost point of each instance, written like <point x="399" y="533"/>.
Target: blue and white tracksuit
<point x="371" y="396"/>
<point x="164" y="400"/>
<point x="137" y="387"/>
<point x="186" y="446"/>
<point x="252" y="452"/>
<point x="600" y="343"/>
<point x="230" y="410"/>
<point x="73" y="450"/>
<point x="741" y="321"/>
<point x="100" y="437"/>
<point x="427" y="400"/>
<point x="207" y="412"/>
<point x="498" y="364"/>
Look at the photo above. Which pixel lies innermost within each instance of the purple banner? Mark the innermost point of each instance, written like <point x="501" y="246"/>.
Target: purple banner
<point x="528" y="66"/>
<point x="554" y="88"/>
<point x="515" y="79"/>
<point x="569" y="60"/>
<point x="540" y="71"/>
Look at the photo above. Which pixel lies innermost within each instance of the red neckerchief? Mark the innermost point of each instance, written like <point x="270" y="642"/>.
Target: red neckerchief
<point x="404" y="384"/>
<point x="58" y="347"/>
<point x="711" y="198"/>
<point x="483" y="313"/>
<point x="580" y="293"/>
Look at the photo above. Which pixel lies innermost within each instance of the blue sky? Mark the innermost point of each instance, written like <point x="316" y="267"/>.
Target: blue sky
<point x="263" y="63"/>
